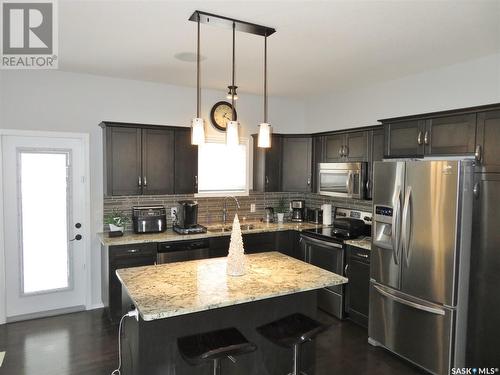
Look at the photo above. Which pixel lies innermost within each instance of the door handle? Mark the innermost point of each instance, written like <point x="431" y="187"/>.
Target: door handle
<point x="341" y="151"/>
<point x="348" y="183"/>
<point x="395" y="228"/>
<point x="406" y="235"/>
<point x="432" y="310"/>
<point x="140" y="181"/>
<point x="476" y="190"/>
<point x="267" y="180"/>
<point x="345" y="269"/>
<point x="145" y="181"/>
<point x="196" y="180"/>
<point x="78" y="237"/>
<point x="478" y="153"/>
<point x="309" y="181"/>
<point x="419" y="138"/>
<point x="346" y="150"/>
<point x="426" y="137"/>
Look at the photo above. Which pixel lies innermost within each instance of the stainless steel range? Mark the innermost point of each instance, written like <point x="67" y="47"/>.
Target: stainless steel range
<point x="324" y="248"/>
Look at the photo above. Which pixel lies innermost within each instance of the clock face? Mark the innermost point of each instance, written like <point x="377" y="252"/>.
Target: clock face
<point x="221" y="114"/>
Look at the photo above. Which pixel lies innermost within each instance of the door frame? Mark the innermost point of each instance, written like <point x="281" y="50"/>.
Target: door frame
<point x="85" y="139"/>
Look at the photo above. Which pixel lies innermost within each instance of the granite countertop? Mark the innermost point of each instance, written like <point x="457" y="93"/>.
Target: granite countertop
<point x="170" y="235"/>
<point x="173" y="289"/>
<point x="364" y="243"/>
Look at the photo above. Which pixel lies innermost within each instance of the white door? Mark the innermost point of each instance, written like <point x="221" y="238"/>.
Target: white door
<point x="44" y="212"/>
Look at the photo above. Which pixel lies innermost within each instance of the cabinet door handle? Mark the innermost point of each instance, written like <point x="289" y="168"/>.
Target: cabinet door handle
<point x="478" y="153"/>
<point x="346" y="151"/>
<point x="419" y="138"/>
<point x="267" y="180"/>
<point x="426" y="137"/>
<point x="145" y="181"/>
<point x="476" y="190"/>
<point x="345" y="269"/>
<point x="196" y="180"/>
<point x="132" y="251"/>
<point x="341" y="151"/>
<point x="140" y="181"/>
<point x="309" y="181"/>
<point x="362" y="255"/>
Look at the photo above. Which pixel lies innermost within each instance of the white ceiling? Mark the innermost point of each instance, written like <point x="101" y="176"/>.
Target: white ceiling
<point x="319" y="46"/>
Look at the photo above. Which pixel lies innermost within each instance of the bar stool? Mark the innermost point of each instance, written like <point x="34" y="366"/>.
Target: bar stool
<point x="291" y="332"/>
<point x="214" y="346"/>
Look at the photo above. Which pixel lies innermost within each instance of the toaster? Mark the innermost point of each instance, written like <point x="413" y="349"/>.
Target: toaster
<point x="149" y="219"/>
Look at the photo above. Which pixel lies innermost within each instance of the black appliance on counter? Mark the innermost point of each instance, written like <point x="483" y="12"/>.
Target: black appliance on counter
<point x="186" y="221"/>
<point x="149" y="219"/>
<point x="324" y="248"/>
<point x="314" y="215"/>
<point x="298" y="210"/>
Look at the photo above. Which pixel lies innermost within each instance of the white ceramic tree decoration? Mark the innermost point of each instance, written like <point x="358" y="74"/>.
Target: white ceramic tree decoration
<point x="236" y="261"/>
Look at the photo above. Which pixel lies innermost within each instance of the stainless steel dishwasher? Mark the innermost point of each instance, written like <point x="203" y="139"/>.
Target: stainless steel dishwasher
<point x="179" y="251"/>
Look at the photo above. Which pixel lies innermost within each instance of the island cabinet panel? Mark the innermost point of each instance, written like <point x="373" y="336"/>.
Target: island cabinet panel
<point x="185" y="163"/>
<point x="219" y="246"/>
<point x="288" y="243"/>
<point x="157" y="161"/>
<point x="259" y="242"/>
<point x="118" y="257"/>
<point x="404" y="139"/>
<point x="450" y="135"/>
<point x="122" y="160"/>
<point x="358" y="288"/>
<point x="297" y="164"/>
<point x="267" y="165"/>
<point x="488" y="141"/>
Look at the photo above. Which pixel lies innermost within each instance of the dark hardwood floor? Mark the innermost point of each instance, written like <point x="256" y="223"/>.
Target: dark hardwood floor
<point x="86" y="343"/>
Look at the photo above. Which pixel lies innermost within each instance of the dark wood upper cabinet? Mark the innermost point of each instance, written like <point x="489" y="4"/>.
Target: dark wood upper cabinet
<point x="267" y="165"/>
<point x="451" y="135"/>
<point x="376" y="154"/>
<point x="138" y="159"/>
<point x="488" y="141"/>
<point x="347" y="147"/>
<point x="318" y="156"/>
<point x="356" y="146"/>
<point x="297" y="164"/>
<point x="122" y="157"/>
<point x="157" y="161"/>
<point x="404" y="139"/>
<point x="334" y="147"/>
<point x="185" y="163"/>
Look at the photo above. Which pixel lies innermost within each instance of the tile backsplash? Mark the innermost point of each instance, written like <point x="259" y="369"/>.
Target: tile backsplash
<point x="210" y="209"/>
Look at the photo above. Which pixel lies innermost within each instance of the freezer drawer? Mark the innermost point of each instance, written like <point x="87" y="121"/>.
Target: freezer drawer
<point x="416" y="330"/>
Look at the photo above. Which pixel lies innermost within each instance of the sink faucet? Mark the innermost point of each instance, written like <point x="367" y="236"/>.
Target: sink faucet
<point x="224" y="210"/>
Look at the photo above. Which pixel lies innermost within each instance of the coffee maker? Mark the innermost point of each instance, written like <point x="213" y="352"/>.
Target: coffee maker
<point x="298" y="210"/>
<point x="186" y="218"/>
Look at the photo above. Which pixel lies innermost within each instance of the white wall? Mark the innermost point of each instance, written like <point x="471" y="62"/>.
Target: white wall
<point x="61" y="101"/>
<point x="466" y="84"/>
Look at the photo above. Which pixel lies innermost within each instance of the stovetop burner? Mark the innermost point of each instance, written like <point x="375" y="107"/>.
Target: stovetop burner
<point x="192" y="230"/>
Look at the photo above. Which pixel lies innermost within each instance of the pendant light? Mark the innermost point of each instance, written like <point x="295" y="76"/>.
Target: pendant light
<point x="232" y="92"/>
<point x="264" y="139"/>
<point x="198" y="124"/>
<point x="232" y="128"/>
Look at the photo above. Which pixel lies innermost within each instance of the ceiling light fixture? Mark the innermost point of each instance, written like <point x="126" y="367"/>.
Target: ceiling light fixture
<point x="232" y="129"/>
<point x="198" y="124"/>
<point x="232" y="92"/>
<point x="264" y="138"/>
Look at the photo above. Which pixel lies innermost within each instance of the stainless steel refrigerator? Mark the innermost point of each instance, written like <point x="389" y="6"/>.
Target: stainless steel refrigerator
<point x="422" y="215"/>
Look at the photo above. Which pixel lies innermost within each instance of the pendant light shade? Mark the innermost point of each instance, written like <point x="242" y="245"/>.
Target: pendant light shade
<point x="198" y="124"/>
<point x="197" y="131"/>
<point x="264" y="140"/>
<point x="233" y="133"/>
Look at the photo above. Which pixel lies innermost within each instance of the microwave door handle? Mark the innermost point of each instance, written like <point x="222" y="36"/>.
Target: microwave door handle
<point x="348" y="183"/>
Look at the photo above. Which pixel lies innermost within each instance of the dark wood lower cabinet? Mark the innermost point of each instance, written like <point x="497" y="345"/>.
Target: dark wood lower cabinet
<point x="117" y="257"/>
<point x="357" y="290"/>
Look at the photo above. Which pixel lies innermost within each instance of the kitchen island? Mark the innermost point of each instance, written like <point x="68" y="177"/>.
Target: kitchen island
<point x="185" y="298"/>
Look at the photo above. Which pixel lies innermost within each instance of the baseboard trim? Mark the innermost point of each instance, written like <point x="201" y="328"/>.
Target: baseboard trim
<point x="45" y="314"/>
<point x="96" y="306"/>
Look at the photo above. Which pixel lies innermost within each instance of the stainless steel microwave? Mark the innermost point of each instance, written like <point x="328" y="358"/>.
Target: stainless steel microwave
<point x="346" y="180"/>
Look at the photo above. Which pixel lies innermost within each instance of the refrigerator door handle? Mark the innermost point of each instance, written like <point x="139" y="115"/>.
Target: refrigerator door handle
<point x="418" y="306"/>
<point x="406" y="235"/>
<point x="396" y="228"/>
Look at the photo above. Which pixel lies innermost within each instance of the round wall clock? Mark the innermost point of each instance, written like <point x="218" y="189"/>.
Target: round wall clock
<point x="221" y="114"/>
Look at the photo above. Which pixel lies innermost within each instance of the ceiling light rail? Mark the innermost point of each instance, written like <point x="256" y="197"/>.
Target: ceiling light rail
<point x="226" y="22"/>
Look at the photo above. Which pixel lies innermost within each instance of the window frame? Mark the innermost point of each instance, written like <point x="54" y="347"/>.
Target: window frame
<point x="221" y="194"/>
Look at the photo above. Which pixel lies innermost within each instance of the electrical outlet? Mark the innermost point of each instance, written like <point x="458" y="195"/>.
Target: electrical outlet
<point x="252" y="207"/>
<point x="173" y="212"/>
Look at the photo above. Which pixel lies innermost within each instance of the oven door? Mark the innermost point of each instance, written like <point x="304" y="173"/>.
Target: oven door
<point x="342" y="180"/>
